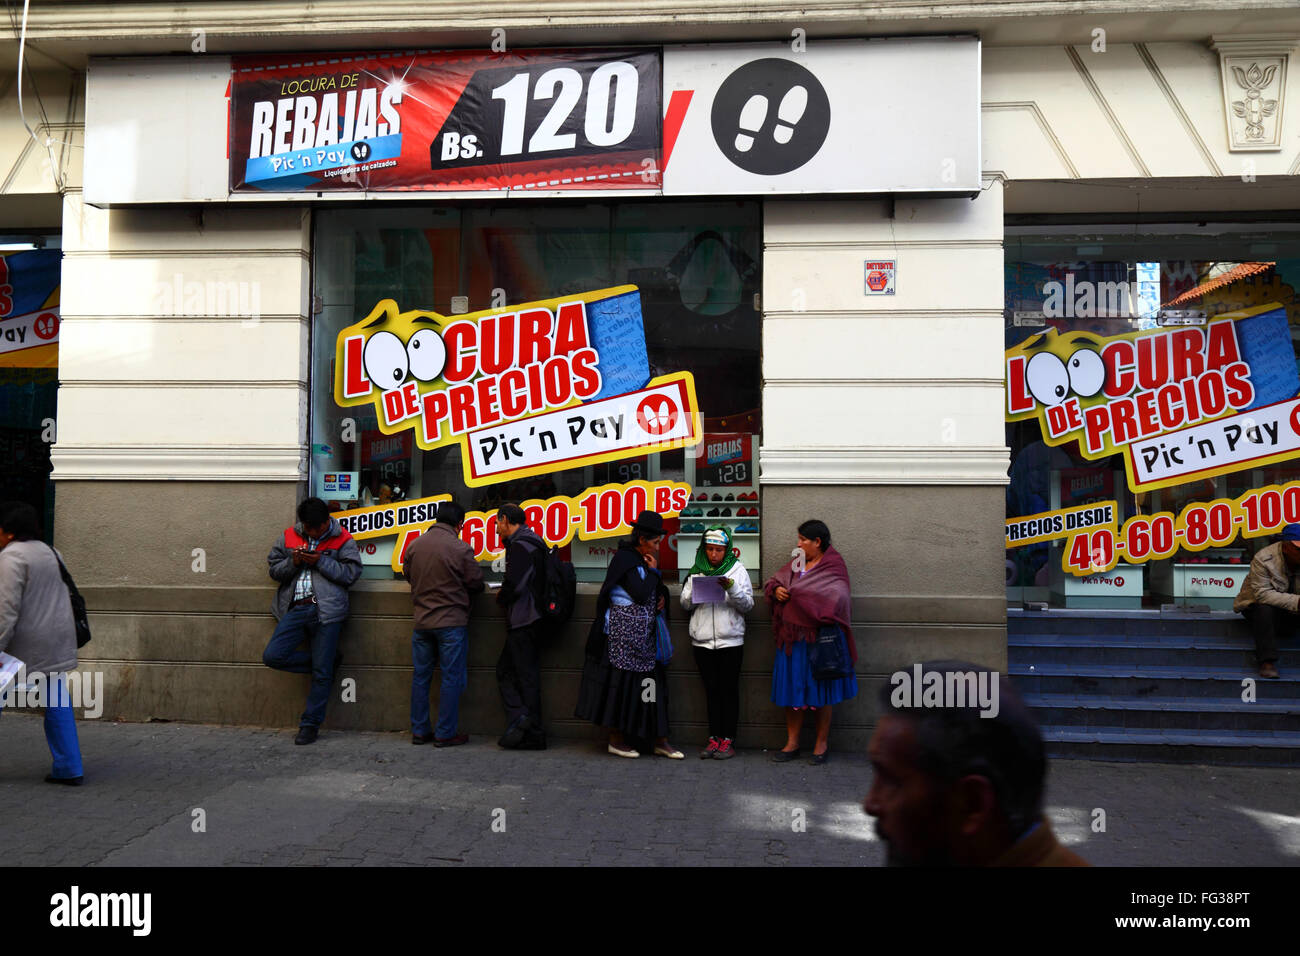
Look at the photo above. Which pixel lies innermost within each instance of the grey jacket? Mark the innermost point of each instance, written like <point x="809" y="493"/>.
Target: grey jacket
<point x="36" y="623"/>
<point x="336" y="570"/>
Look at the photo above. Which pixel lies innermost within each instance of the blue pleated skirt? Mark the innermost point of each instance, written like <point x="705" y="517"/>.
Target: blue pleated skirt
<point x="793" y="684"/>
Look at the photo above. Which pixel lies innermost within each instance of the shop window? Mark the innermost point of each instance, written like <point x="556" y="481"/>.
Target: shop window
<point x="695" y="267"/>
<point x="30" y="268"/>
<point x="1151" y="380"/>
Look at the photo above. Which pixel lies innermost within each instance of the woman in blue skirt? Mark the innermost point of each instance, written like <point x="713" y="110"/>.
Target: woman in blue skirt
<point x="807" y="594"/>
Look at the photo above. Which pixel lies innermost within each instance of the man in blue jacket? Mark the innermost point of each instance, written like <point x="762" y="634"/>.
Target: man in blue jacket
<point x="315" y="561"/>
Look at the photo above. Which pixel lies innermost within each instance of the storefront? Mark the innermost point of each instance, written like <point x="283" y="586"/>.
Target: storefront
<point x="821" y="301"/>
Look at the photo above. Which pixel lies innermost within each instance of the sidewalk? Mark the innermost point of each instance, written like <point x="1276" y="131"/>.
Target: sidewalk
<point x="374" y="799"/>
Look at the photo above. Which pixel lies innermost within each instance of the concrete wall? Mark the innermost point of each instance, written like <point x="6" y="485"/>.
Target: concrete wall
<point x="195" y="654"/>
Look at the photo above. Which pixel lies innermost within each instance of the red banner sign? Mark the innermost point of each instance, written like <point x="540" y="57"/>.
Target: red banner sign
<point x="455" y="120"/>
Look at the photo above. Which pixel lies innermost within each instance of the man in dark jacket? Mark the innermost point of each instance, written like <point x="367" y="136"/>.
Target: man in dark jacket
<point x="518" y="674"/>
<point x="955" y="782"/>
<point x="443" y="576"/>
<point x="315" y="561"/>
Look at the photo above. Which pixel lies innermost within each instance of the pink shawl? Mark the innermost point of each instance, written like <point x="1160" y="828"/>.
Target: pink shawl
<point x="817" y="597"/>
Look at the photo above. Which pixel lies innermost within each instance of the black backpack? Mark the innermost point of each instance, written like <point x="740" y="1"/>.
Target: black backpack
<point x="558" y="591"/>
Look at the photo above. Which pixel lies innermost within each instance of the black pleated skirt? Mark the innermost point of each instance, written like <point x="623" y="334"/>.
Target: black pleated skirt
<point x="614" y="698"/>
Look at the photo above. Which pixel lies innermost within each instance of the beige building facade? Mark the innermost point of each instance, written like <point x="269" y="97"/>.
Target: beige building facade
<point x="186" y="372"/>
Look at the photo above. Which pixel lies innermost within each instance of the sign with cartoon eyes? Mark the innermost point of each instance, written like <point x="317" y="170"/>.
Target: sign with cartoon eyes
<point x="1147" y="394"/>
<point x="822" y="116"/>
<point x="526" y="389"/>
<point x="1050" y="380"/>
<point x="389" y="363"/>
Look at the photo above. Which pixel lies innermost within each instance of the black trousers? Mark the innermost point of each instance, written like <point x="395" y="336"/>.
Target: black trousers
<point x="720" y="670"/>
<point x="519" y="677"/>
<point x="1269" y="625"/>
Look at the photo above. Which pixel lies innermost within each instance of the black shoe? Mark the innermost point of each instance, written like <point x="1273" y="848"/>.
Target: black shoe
<point x="514" y="734"/>
<point x="306" y="735"/>
<point x="423" y="739"/>
<point x="532" y="742"/>
<point x="69" y="781"/>
<point x="785" y="756"/>
<point x="712" y="514"/>
<point x="821" y="758"/>
<point x="729" y="498"/>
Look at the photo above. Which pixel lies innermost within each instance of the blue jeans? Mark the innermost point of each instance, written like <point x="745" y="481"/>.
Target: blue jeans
<point x="301" y="625"/>
<point x="429" y="648"/>
<point x="61" y="731"/>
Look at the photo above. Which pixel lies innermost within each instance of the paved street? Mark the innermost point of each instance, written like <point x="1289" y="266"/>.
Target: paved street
<point x="373" y="799"/>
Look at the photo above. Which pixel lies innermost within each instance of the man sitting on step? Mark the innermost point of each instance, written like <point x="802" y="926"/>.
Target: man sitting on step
<point x="1268" y="598"/>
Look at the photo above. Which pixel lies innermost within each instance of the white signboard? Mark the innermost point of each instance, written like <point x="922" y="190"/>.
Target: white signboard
<point x="834" y="116"/>
<point x="1235" y="440"/>
<point x="658" y="417"/>
<point x="29" y="331"/>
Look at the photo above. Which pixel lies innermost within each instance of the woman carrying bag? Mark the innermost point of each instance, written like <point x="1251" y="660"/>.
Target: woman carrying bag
<point x="718" y="636"/>
<point x="38" y="627"/>
<point x="815" y="651"/>
<point x="625" y="676"/>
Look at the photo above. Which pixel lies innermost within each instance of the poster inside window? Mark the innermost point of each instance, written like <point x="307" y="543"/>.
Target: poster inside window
<point x="585" y="361"/>
<point x="1153" y="411"/>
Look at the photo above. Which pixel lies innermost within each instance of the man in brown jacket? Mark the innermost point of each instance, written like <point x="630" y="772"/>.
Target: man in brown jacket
<point x="1268" y="598"/>
<point x="954" y="785"/>
<point x="443" y="576"/>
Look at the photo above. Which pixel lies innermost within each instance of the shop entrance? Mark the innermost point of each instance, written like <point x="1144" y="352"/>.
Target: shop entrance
<point x="29" y="370"/>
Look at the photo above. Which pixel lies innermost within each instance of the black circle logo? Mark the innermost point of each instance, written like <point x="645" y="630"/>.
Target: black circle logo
<point x="360" y="151"/>
<point x="770" y="116"/>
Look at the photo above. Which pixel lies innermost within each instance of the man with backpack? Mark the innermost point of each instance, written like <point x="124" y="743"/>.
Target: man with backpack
<point x="521" y="597"/>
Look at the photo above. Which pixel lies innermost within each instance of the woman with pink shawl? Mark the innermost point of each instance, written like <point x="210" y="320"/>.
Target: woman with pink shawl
<point x="810" y="592"/>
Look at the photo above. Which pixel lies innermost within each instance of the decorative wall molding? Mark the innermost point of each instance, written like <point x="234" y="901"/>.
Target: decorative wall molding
<point x="178" y="463"/>
<point x="1049" y="134"/>
<point x="1176" y="105"/>
<point x="1111" y="118"/>
<point x="898" y="465"/>
<point x="1253" y="74"/>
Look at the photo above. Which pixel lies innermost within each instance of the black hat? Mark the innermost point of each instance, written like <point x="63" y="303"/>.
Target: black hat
<point x="649" y="522"/>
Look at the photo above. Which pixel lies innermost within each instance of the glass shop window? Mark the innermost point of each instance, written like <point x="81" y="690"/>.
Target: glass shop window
<point x="1151" y="379"/>
<point x="695" y="267"/>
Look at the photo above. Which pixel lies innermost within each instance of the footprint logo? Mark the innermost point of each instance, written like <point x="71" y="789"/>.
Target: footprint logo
<point x="788" y="114"/>
<point x="770" y="116"/>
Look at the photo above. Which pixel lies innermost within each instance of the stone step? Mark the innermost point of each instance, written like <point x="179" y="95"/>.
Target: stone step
<point x="1254" y="748"/>
<point x="1146" y="713"/>
<point x="1136" y="654"/>
<point x="1102" y="681"/>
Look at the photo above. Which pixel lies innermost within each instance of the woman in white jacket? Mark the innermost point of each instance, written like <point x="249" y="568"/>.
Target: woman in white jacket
<point x="718" y="635"/>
